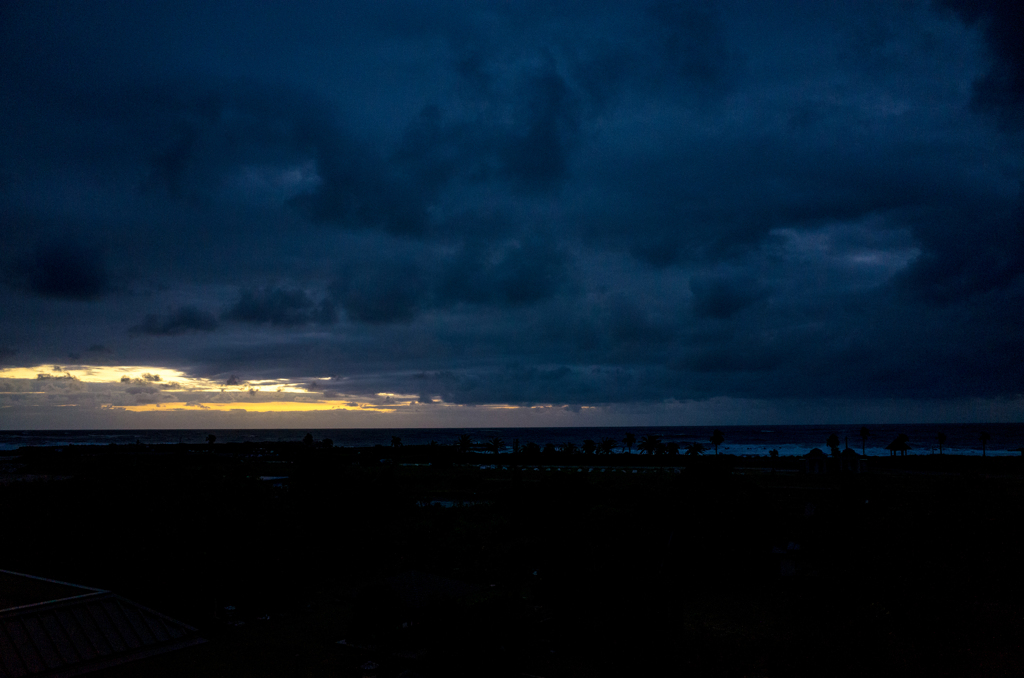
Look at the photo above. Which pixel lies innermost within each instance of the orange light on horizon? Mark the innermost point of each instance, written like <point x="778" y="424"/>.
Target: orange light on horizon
<point x="268" y="406"/>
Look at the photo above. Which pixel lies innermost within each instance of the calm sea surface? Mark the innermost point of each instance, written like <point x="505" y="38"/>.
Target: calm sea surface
<point x="788" y="440"/>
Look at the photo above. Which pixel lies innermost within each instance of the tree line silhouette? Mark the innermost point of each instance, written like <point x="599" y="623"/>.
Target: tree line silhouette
<point x="650" y="444"/>
<point x="653" y="445"/>
<point x="900" y="445"/>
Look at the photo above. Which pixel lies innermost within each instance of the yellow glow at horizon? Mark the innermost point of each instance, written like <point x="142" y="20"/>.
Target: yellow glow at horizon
<point x="112" y="374"/>
<point x="272" y="406"/>
<point x="102" y="373"/>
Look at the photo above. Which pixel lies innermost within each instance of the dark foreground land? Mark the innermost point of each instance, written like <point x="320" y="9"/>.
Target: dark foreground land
<point x="715" y="566"/>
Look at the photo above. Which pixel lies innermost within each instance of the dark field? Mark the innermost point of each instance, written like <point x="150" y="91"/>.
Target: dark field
<point x="704" y="566"/>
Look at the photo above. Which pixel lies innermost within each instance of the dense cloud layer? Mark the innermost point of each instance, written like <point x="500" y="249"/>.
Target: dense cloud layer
<point x="183" y="319"/>
<point x="1001" y="88"/>
<point x="521" y="203"/>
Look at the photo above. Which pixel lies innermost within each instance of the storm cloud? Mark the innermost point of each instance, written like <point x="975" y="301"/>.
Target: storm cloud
<point x="64" y="268"/>
<point x="279" y="306"/>
<point x="184" y="319"/>
<point x="1001" y="87"/>
<point x="621" y="206"/>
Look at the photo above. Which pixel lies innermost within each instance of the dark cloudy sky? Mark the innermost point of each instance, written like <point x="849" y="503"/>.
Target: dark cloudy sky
<point x="540" y="213"/>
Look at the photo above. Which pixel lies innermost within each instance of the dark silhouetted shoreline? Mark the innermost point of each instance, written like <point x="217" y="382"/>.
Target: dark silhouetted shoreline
<point x="448" y="562"/>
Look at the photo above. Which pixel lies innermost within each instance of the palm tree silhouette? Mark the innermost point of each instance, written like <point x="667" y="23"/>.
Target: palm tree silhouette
<point x="985" y="437"/>
<point x="717" y="438"/>
<point x="629" y="440"/>
<point x="396" y="441"/>
<point x="464" y="442"/>
<point x="649" y="444"/>
<point x="589" y="446"/>
<point x="942" y="440"/>
<point x="570" y="448"/>
<point x="833" y="444"/>
<point x="496" y="444"/>
<point x="694" y="449"/>
<point x="864" y="434"/>
<point x="607" y="445"/>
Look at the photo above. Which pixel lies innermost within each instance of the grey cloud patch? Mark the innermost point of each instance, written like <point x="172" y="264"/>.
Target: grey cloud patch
<point x="732" y="358"/>
<point x="973" y="255"/>
<point x="524" y="136"/>
<point x="658" y="251"/>
<point x="691" y="45"/>
<point x="190" y="140"/>
<point x="43" y="375"/>
<point x="281" y="307"/>
<point x="503" y="274"/>
<point x="169" y="168"/>
<point x="7" y="354"/>
<point x="721" y="297"/>
<point x="326" y="387"/>
<point x="357" y="188"/>
<point x="194" y="137"/>
<point x="629" y="325"/>
<point x="146" y="380"/>
<point x="534" y="385"/>
<point x="181" y="320"/>
<point x="525" y="106"/>
<point x="1001" y="89"/>
<point x="433" y="150"/>
<point x="674" y="48"/>
<point x="65" y="268"/>
<point x="383" y="291"/>
<point x="392" y="285"/>
<point x="535" y="155"/>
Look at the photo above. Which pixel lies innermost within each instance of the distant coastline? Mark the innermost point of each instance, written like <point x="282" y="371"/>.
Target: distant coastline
<point x="964" y="439"/>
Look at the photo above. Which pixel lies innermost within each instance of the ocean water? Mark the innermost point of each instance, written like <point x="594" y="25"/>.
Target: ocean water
<point x="1006" y="439"/>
